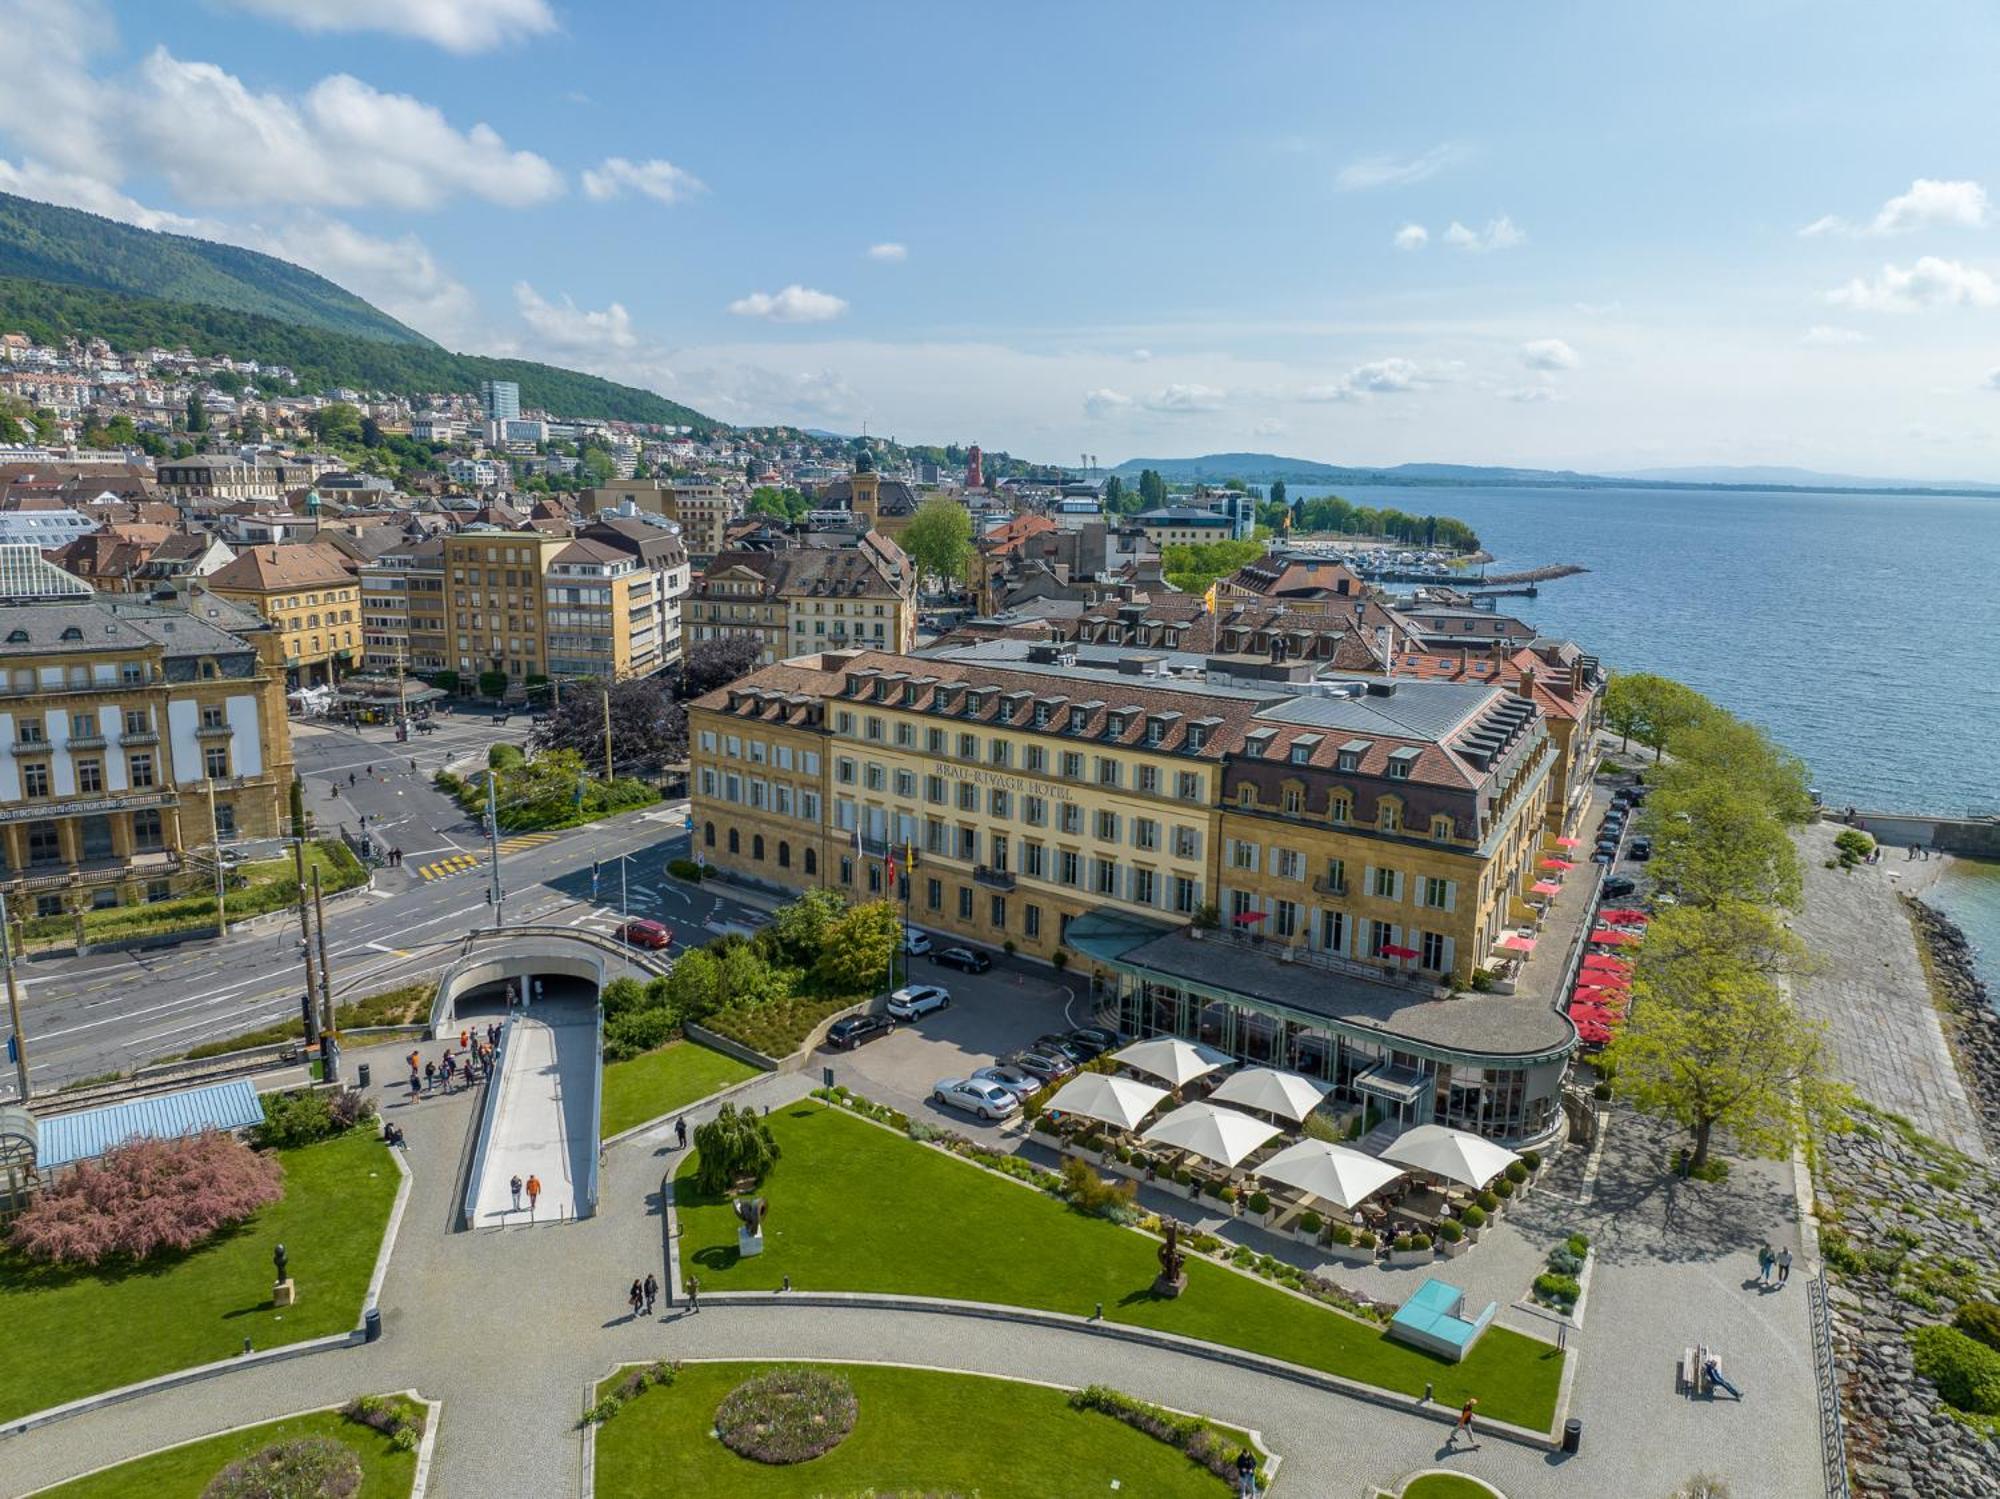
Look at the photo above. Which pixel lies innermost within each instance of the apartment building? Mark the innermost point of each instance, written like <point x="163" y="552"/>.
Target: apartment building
<point x="1296" y="869"/>
<point x="403" y="610"/>
<point x="130" y="732"/>
<point x="597" y="612"/>
<point x="494" y="600"/>
<point x="663" y="559"/>
<point x="809" y="598"/>
<point x="310" y="595"/>
<point x="702" y="511"/>
<point x="212" y="477"/>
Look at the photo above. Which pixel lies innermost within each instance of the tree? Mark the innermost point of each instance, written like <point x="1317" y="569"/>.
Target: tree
<point x="648" y="724"/>
<point x="939" y="538"/>
<point x="1152" y="489"/>
<point x="1723" y="747"/>
<point x="786" y="505"/>
<point x="798" y="932"/>
<point x="1712" y="1042"/>
<point x="1715" y="841"/>
<point x="859" y="945"/>
<point x="371" y="432"/>
<point x="1652" y="709"/>
<point x="1192" y="568"/>
<point x="1277" y="491"/>
<point x="197" y="414"/>
<point x="710" y="664"/>
<point x="735" y="1144"/>
<point x="1114" y="495"/>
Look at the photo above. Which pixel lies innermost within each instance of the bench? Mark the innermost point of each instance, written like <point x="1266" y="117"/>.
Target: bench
<point x="1691" y="1377"/>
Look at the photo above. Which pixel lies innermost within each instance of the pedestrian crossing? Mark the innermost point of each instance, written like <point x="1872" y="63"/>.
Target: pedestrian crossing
<point x="458" y="863"/>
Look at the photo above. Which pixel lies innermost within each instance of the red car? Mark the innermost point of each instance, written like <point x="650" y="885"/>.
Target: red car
<point x="640" y="932"/>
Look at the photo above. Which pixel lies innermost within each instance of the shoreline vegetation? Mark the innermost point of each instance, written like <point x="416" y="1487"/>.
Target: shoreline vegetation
<point x="1965" y="1010"/>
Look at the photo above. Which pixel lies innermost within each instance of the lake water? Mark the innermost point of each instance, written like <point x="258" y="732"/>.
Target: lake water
<point x="1862" y="630"/>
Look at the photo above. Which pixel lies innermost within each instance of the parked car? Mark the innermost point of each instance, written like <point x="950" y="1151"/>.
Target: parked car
<point x="915" y="941"/>
<point x="651" y="935"/>
<point x="1604" y="855"/>
<point x="1060" y="1045"/>
<point x="987" y="1100"/>
<point x="1618" y="887"/>
<point x="963" y="958"/>
<point x="1093" y="1038"/>
<point x="1017" y="1082"/>
<point x="856" y="1030"/>
<point x="1641" y="849"/>
<point x="1048" y="1066"/>
<point x="918" y="1000"/>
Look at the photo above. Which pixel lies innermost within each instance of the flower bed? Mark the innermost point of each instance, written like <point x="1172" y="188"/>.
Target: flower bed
<point x="1190" y="1434"/>
<point x="787" y="1416"/>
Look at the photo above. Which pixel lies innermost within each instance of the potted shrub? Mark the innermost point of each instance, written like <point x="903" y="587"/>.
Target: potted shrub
<point x="1516" y="1175"/>
<point x="1452" y="1239"/>
<point x="1351" y="1246"/>
<point x="1532" y="1159"/>
<point x="1411" y="1249"/>
<point x="1503" y="1189"/>
<point x="1474" y="1219"/>
<point x="1309" y="1227"/>
<point x="1259" y="1204"/>
<point x="1489" y="1201"/>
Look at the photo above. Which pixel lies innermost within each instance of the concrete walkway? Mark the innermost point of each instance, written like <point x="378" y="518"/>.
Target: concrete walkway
<point x="542" y="1125"/>
<point x="1872" y="992"/>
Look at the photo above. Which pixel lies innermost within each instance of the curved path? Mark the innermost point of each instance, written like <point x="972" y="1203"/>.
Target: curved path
<point x="507" y="1327"/>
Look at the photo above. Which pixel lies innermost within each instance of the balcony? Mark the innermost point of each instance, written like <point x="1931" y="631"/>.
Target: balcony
<point x="1294" y="950"/>
<point x="1326" y="884"/>
<point x="214" y="731"/>
<point x="86" y="741"/>
<point x="998" y="879"/>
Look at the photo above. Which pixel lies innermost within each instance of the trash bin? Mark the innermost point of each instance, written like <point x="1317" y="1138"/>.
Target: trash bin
<point x="361" y="1076"/>
<point x="371" y="1325"/>
<point x="1572" y="1431"/>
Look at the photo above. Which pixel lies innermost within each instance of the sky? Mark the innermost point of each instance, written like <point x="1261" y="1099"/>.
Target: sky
<point x="1555" y="235"/>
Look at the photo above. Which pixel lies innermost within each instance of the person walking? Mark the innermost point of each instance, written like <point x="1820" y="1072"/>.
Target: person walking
<point x="416" y="1085"/>
<point x="1246" y="1475"/>
<point x="430" y="1076"/>
<point x="1464" y="1424"/>
<point x="514" y="1186"/>
<point x="464" y="1039"/>
<point x="652" y="1289"/>
<point x="534" y="1190"/>
<point x="681" y="1132"/>
<point x="637" y="1297"/>
<point x="694" y="1294"/>
<point x="1784" y="1264"/>
<point x="1766" y="1259"/>
<point x="415" y="1059"/>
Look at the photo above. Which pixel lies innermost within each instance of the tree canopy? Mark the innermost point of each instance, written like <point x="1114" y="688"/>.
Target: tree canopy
<point x="648" y="724"/>
<point x="1191" y="568"/>
<point x="710" y="664"/>
<point x="859" y="945"/>
<point x="939" y="538"/>
<point x="1652" y="709"/>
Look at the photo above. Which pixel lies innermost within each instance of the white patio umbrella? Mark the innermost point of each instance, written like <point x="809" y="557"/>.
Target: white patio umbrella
<point x="1173" y="1061"/>
<point x="1341" y="1176"/>
<point x="1450" y="1153"/>
<point x="1119" y="1101"/>
<point x="1270" y="1091"/>
<point x="1220" y="1135"/>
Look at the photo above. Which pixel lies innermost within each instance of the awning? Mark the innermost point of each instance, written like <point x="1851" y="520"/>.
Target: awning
<point x="1624" y="918"/>
<point x="1173" y="1061"/>
<point x="1547" y="887"/>
<point x="1516" y="942"/>
<point x="1249" y="918"/>
<point x="1333" y="1173"/>
<point x="1603" y="962"/>
<point x="1567" y="842"/>
<point x="1451" y="1153"/>
<point x="1270" y="1091"/>
<point x="1397" y="1084"/>
<point x="1556" y="864"/>
<point x="1215" y="1134"/>
<point x="1118" y="1101"/>
<point x="89" y="1133"/>
<point x="1610" y="936"/>
<point x="1391" y="950"/>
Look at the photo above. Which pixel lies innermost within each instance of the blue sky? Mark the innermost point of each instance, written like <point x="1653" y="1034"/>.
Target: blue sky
<point x="1566" y="235"/>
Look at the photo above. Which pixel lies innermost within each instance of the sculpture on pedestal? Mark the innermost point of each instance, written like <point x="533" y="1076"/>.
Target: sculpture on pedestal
<point x="1172" y="1279"/>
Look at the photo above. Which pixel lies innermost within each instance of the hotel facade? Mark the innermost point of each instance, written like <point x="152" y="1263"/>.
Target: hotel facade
<point x="1304" y="871"/>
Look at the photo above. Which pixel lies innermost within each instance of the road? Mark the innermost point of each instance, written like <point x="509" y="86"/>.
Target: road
<point x="91" y="1015"/>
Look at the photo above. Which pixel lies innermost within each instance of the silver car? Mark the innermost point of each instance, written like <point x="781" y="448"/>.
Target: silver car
<point x="987" y="1100"/>
<point x="1013" y="1079"/>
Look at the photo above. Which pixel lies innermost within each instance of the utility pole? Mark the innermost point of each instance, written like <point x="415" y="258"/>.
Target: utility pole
<point x="493" y="849"/>
<point x="311" y="1009"/>
<point x="624" y="906"/>
<point x="606" y="690"/>
<point x="13" y="1003"/>
<point x="402" y="702"/>
<point x="215" y="848"/>
<point x="326" y="1017"/>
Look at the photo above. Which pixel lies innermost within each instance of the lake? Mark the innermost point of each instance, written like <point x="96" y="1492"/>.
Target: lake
<point x="1862" y="630"/>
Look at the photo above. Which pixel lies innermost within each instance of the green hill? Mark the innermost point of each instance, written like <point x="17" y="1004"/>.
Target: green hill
<point x="65" y="273"/>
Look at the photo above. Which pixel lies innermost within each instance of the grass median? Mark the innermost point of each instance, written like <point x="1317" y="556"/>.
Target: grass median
<point x="856" y="1208"/>
<point x="1006" y="1440"/>
<point x="667" y="1078"/>
<point x="78" y="1331"/>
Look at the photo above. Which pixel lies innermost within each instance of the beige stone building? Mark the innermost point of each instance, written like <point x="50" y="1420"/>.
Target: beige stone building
<point x="311" y="594"/>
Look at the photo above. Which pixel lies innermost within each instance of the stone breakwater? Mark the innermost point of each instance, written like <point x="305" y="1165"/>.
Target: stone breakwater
<point x="1971" y="1023"/>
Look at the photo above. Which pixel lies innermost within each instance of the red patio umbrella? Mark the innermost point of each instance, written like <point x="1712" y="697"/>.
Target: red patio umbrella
<point x="1610" y="936"/>
<point x="1249" y="918"/>
<point x="1592" y="1032"/>
<point x="1547" y="887"/>
<point x="1603" y="962"/>
<point x="1625" y="918"/>
<point x="1516" y="942"/>
<point x="1553" y="863"/>
<point x="1391" y="950"/>
<point x="1567" y="842"/>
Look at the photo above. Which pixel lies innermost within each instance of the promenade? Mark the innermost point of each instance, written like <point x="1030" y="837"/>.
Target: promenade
<point x="542" y="1122"/>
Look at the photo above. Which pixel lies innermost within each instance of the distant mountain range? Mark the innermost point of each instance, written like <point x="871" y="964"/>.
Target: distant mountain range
<point x="66" y="273"/>
<point x="1267" y="468"/>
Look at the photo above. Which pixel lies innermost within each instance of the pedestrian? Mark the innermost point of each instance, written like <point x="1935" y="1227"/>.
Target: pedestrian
<point x="1784" y="1264"/>
<point x="1766" y="1258"/>
<point x="415" y="1057"/>
<point x="493" y="1034"/>
<point x="416" y="1084"/>
<point x="652" y="1292"/>
<point x="694" y="1294"/>
<point x="351" y="778"/>
<point x="450" y="1068"/>
<point x="514" y="1186"/>
<point x="1712" y="1367"/>
<point x="1246" y="1475"/>
<point x="430" y="1076"/>
<point x="681" y="1132"/>
<point x="464" y="1039"/>
<point x="534" y="1190"/>
<point x="392" y="1134"/>
<point x="1464" y="1424"/>
<point x="637" y="1296"/>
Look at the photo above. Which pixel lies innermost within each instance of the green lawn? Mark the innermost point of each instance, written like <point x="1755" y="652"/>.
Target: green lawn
<point x="856" y="1208"/>
<point x="92" y="1331"/>
<point x="183" y="1472"/>
<point x="916" y="1432"/>
<point x="668" y="1078"/>
<point x="1447" y="1486"/>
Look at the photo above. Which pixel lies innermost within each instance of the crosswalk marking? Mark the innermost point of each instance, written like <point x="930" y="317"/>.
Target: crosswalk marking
<point x="519" y="843"/>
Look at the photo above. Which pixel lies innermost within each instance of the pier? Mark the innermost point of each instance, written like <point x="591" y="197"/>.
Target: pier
<point x="1974" y="836"/>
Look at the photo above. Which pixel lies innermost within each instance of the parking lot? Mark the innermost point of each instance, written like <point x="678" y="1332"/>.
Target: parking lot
<point x="991" y="1014"/>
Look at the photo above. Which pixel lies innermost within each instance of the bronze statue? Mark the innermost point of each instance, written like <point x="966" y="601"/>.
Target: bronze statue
<point x="1172" y="1279"/>
<point x="750" y="1213"/>
<point x="278" y="1259"/>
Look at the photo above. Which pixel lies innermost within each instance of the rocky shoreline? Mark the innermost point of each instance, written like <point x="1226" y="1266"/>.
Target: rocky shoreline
<point x="1971" y="1023"/>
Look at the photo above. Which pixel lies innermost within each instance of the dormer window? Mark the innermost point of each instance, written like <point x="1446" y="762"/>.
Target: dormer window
<point x="1350" y="755"/>
<point x="1114" y="726"/>
<point x="1197" y="736"/>
<point x="72" y="633"/>
<point x="1302" y="754"/>
<point x="1041" y="715"/>
<point x="1078" y="717"/>
<point x="1402" y="761"/>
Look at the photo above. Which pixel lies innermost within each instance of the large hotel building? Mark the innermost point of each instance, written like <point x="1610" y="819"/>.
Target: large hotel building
<point x="1333" y="872"/>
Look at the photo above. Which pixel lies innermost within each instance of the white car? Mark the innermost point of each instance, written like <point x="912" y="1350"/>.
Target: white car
<point x="917" y="1001"/>
<point x="1021" y="1084"/>
<point x="915" y="941"/>
<point x="987" y="1100"/>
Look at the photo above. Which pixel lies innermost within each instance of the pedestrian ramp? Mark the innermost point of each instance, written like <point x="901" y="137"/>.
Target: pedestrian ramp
<point x="459" y="863"/>
<point x="541" y="1122"/>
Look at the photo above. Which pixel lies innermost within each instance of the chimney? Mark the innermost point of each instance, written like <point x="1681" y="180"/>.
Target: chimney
<point x="1385" y="646"/>
<point x="1464" y="662"/>
<point x="1576" y="677"/>
<point x="1526" y="687"/>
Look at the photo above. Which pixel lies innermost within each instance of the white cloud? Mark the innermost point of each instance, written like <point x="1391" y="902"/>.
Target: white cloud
<point x="565" y="324"/>
<point x="1180" y="399"/>
<point x="50" y="105"/>
<point x="1499" y="234"/>
<point x="890" y="252"/>
<point x="34" y="179"/>
<point x="1141" y="356"/>
<point x="399" y="275"/>
<point x="1549" y="354"/>
<point x="1269" y="426"/>
<point x="1827" y="336"/>
<point x="1929" y="204"/>
<point x="1530" y="394"/>
<point x="657" y="179"/>
<point x="1931" y="282"/>
<point x="1412" y="237"/>
<point x="455" y="25"/>
<point x="795" y="304"/>
<point x="1379" y="377"/>
<point x="1992" y="380"/>
<point x="1396" y="171"/>
<point x="1103" y="402"/>
<point x="737" y="390"/>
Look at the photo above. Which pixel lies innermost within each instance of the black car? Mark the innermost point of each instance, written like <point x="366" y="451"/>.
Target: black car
<point x="1063" y="1046"/>
<point x="1094" y="1039"/>
<point x="1641" y="849"/>
<point x="964" y="959"/>
<point x="1618" y="887"/>
<point x="858" y="1029"/>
